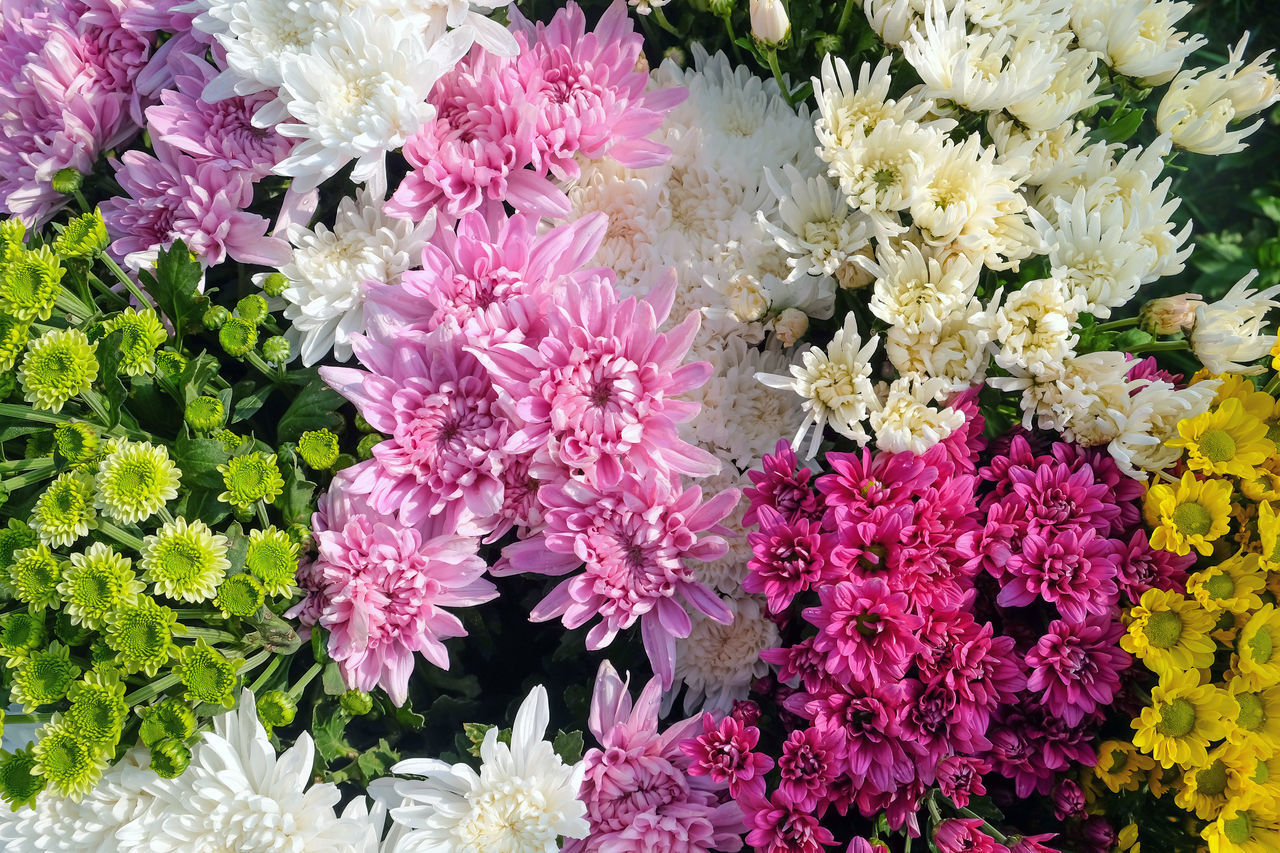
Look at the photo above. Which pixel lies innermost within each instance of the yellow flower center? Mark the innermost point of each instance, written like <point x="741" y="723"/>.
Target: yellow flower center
<point x="1177" y="718"/>
<point x="1164" y="629"/>
<point x="1212" y="780"/>
<point x="1237" y="829"/>
<point x="1217" y="445"/>
<point x="1192" y="519"/>
<point x="1251" y="712"/>
<point x="1262" y="645"/>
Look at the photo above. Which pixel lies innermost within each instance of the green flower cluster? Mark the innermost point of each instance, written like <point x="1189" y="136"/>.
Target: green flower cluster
<point x="149" y="539"/>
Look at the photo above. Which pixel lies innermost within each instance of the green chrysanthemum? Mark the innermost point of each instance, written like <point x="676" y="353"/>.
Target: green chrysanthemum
<point x="30" y="281"/>
<point x="273" y="559"/>
<point x="276" y="708"/>
<point x="58" y="365"/>
<point x="238" y="337"/>
<point x="240" y="595"/>
<point x="318" y="448"/>
<point x="12" y="234"/>
<point x="207" y="675"/>
<point x="14" y="335"/>
<point x="76" y="442"/>
<point x="43" y="677"/>
<point x="276" y="350"/>
<point x="141" y="335"/>
<point x="205" y="414"/>
<point x="185" y="560"/>
<point x="34" y="576"/>
<point x="64" y="512"/>
<point x="98" y="711"/>
<point x="135" y="480"/>
<point x="357" y="703"/>
<point x="252" y="308"/>
<point x="229" y="440"/>
<point x="19" y="784"/>
<point x="84" y="236"/>
<point x="251" y="478"/>
<point x="170" y="758"/>
<point x="69" y="632"/>
<point x="141" y="635"/>
<point x="214" y="317"/>
<point x="95" y="583"/>
<point x="14" y="538"/>
<point x="168" y="718"/>
<point x="20" y="633"/>
<point x="170" y="363"/>
<point x="69" y="763"/>
<point x="274" y="284"/>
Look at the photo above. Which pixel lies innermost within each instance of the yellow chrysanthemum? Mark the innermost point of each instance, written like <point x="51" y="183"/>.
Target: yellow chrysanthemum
<point x="1266" y="776"/>
<point x="1208" y="788"/>
<point x="1182" y="720"/>
<point x="1226" y="441"/>
<point x="1191" y="514"/>
<point x="1228" y="627"/>
<point x="1258" y="723"/>
<point x="1169" y="633"/>
<point x="1247" y="827"/>
<point x="1162" y="780"/>
<point x="1264" y="485"/>
<point x="1232" y="585"/>
<point x="1269" y="534"/>
<point x="1121" y="766"/>
<point x="1257" y="657"/>
<point x="1258" y="404"/>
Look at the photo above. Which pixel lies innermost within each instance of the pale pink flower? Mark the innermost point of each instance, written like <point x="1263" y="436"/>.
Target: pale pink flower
<point x="380" y="588"/>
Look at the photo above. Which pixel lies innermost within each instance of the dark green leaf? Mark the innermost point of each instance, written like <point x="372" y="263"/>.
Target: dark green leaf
<point x="1131" y="339"/>
<point x="568" y="745"/>
<point x="199" y="459"/>
<point x="109" y="357"/>
<point x="407" y="717"/>
<point x="377" y="761"/>
<point x="331" y="676"/>
<point x="329" y="728"/>
<point x="249" y="400"/>
<point x="237" y="547"/>
<point x="1122" y="124"/>
<point x="294" y="501"/>
<point x="315" y="407"/>
<point x="197" y="374"/>
<point x="175" y="287"/>
<point x="203" y="504"/>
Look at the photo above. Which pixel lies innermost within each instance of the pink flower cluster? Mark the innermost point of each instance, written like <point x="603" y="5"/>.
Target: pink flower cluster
<point x="644" y="790"/>
<point x="506" y="127"/>
<point x="947" y="626"/>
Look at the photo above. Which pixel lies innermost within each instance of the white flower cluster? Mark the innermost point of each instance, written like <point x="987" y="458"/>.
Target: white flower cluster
<point x="926" y="213"/>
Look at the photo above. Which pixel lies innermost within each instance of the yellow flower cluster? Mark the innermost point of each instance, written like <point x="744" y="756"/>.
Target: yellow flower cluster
<point x="1210" y="735"/>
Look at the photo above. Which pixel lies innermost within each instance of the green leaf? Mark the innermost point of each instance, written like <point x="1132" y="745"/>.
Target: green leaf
<point x="272" y="632"/>
<point x="249" y="400"/>
<point x="315" y="407"/>
<point x="377" y="761"/>
<point x="197" y="374"/>
<point x="109" y="357"/>
<point x="1267" y="203"/>
<point x="175" y="287"/>
<point x="294" y="501"/>
<point x="237" y="547"/>
<point x="331" y="676"/>
<point x="407" y="717"/>
<point x="203" y="504"/>
<point x="199" y="459"/>
<point x="569" y="746"/>
<point x="1131" y="339"/>
<point x="1122" y="124"/>
<point x="475" y="733"/>
<point x="329" y="728"/>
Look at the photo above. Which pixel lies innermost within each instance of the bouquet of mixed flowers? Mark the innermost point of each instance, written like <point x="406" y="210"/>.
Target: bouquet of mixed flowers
<point x="383" y="381"/>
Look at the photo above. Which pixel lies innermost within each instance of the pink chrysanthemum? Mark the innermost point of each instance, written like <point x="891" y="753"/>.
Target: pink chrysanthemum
<point x="1139" y="567"/>
<point x="725" y="752"/>
<point x="787" y="558"/>
<point x="865" y="629"/>
<point x="1073" y="570"/>
<point x="782" y="486"/>
<point x="221" y="133"/>
<point x="811" y="760"/>
<point x="872" y="726"/>
<point x="637" y="539"/>
<point x="960" y="777"/>
<point x="783" y="826"/>
<point x="1077" y="666"/>
<point x="437" y="405"/>
<point x="380" y="588"/>
<point x="598" y="393"/>
<point x="171" y="196"/>
<point x="965" y="835"/>
<point x="638" y="789"/>
<point x="587" y="94"/>
<point x="861" y="482"/>
<point x="1032" y="747"/>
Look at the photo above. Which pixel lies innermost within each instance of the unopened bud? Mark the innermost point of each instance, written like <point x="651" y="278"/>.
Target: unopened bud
<point x="769" y="21"/>
<point x="67" y="181"/>
<point x="1170" y="314"/>
<point x="790" y="326"/>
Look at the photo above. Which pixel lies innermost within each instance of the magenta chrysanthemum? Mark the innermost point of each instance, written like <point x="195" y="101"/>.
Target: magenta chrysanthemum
<point x="865" y="629"/>
<point x="1076" y="667"/>
<point x="1074" y="570"/>
<point x="724" y="752"/>
<point x="788" y="558"/>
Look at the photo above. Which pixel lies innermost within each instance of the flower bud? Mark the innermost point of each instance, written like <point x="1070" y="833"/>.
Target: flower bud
<point x="357" y="703"/>
<point x="769" y="21"/>
<point x="276" y="708"/>
<point x="170" y="758"/>
<point x="252" y="308"/>
<point x="215" y="317"/>
<point x="275" y="350"/>
<point x="790" y="326"/>
<point x="1170" y="314"/>
<point x="67" y="181"/>
<point x="274" y="284"/>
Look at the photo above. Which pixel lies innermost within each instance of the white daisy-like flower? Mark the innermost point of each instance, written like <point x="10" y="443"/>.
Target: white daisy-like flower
<point x="1253" y="87"/>
<point x="327" y="274"/>
<point x="893" y="20"/>
<point x="1227" y="334"/>
<point x="1088" y="402"/>
<point x="1137" y="37"/>
<point x="1073" y="88"/>
<point x="956" y="352"/>
<point x="1031" y="332"/>
<point x="817" y="227"/>
<point x="1199" y="107"/>
<point x="63" y="825"/>
<point x="357" y="93"/>
<point x="981" y="70"/>
<point x="238" y="795"/>
<point x="1039" y="155"/>
<point x="717" y="662"/>
<point x="848" y="111"/>
<point x="916" y="292"/>
<point x="1023" y="17"/>
<point x="885" y="170"/>
<point x="835" y="384"/>
<point x="522" y="801"/>
<point x="645" y="7"/>
<point x="907" y="420"/>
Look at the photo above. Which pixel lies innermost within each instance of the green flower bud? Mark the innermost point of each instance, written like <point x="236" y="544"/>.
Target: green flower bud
<point x="84" y="236"/>
<point x="276" y="708"/>
<point x="67" y="181"/>
<point x="207" y="675"/>
<point x="357" y="703"/>
<point x="275" y="350"/>
<point x="238" y="337"/>
<point x="318" y="449"/>
<point x="215" y="317"/>
<point x="170" y="364"/>
<point x="364" y="450"/>
<point x="300" y="534"/>
<point x="76" y="443"/>
<point x="240" y="595"/>
<point x="170" y="758"/>
<point x="244" y="513"/>
<point x="345" y="460"/>
<point x="230" y="440"/>
<point x="205" y="414"/>
<point x="274" y="284"/>
<point x="169" y="718"/>
<point x="251" y="478"/>
<point x="19" y="783"/>
<point x="253" y="309"/>
<point x="362" y="424"/>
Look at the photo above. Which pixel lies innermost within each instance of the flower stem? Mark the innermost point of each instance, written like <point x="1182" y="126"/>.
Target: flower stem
<point x="26" y="413"/>
<point x="119" y="535"/>
<point x="846" y="16"/>
<point x="29" y="478"/>
<point x="209" y="635"/>
<point x="1161" y="346"/>
<point x="771" y="55"/>
<point x="661" y="18"/>
<point x="124" y="278"/>
<point x="14" y="465"/>
<point x="1117" y="324"/>
<point x="266" y="673"/>
<point x="1273" y="386"/>
<point x="10" y="719"/>
<point x="95" y="403"/>
<point x="986" y="827"/>
<point x="275" y="374"/>
<point x="149" y="691"/>
<point x="296" y="690"/>
<point x="69" y="302"/>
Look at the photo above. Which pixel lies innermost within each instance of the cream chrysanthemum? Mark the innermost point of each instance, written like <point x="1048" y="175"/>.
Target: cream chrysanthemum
<point x="907" y="420"/>
<point x="717" y="662"/>
<point x="1033" y="329"/>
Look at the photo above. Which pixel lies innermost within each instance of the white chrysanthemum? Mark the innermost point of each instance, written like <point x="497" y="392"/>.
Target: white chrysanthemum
<point x="1154" y="413"/>
<point x="523" y="799"/>
<point x="1031" y="332"/>
<point x="1136" y="37"/>
<point x="848" y="112"/>
<point x="717" y="663"/>
<point x="1227" y="334"/>
<point x="835" y="385"/>
<point x="329" y="268"/>
<point x="1039" y="155"/>
<point x="817" y="227"/>
<point x="432" y="17"/>
<point x="639" y="211"/>
<point x="893" y="20"/>
<point x="916" y="291"/>
<point x="981" y="70"/>
<point x="261" y="38"/>
<point x="725" y="573"/>
<point x="1073" y="88"/>
<point x="740" y="420"/>
<point x="645" y="7"/>
<point x="885" y="170"/>
<point x="1022" y="17"/>
<point x="956" y="352"/>
<point x="907" y="420"/>
<point x="62" y="825"/>
<point x="357" y="93"/>
<point x="1252" y="87"/>
<point x="1088" y="402"/>
<point x="1199" y="107"/>
<point x="238" y="796"/>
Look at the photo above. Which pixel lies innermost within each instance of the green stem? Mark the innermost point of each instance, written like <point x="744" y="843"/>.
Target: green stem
<point x="771" y="56"/>
<point x="263" y="519"/>
<point x="846" y="17"/>
<point x="1117" y="324"/>
<point x="12" y="719"/>
<point x="149" y="691"/>
<point x="1162" y="346"/>
<point x="296" y="690"/>
<point x="986" y="827"/>
<point x="663" y="22"/>
<point x="81" y="200"/>
<point x="15" y="465"/>
<point x="124" y="279"/>
<point x="95" y="403"/>
<point x="165" y="515"/>
<point x="275" y="374"/>
<point x="26" y="413"/>
<point x="209" y="635"/>
<point x="101" y="286"/>
<point x="266" y="673"/>
<point x="69" y="302"/>
<point x="29" y="478"/>
<point x="1273" y="386"/>
<point x="124" y="538"/>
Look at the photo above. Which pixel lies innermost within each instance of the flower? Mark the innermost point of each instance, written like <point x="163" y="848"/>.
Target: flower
<point x="141" y="635"/>
<point x="135" y="479"/>
<point x="780" y="825"/>
<point x="718" y="661"/>
<point x="1138" y="38"/>
<point x="522" y="801"/>
<point x="250" y="478"/>
<point x="1169" y="633"/>
<point x="1120" y="765"/>
<point x="1183" y="718"/>
<point x="240" y="792"/>
<point x="69" y="764"/>
<point x="788" y="558"/>
<point x="865" y="630"/>
<point x="59" y="365"/>
<point x="906" y="422"/>
<point x="1226" y="441"/>
<point x="141" y="333"/>
<point x="1192" y="515"/>
<point x="30" y="283"/>
<point x="95" y="583"/>
<point x="33" y="578"/>
<point x="1255" y="657"/>
<point x="769" y="21"/>
<point x="272" y="557"/>
<point x="207" y="675"/>
<point x="959" y="835"/>
<point x="725" y="752"/>
<point x="1228" y="333"/>
<point x="1075" y="570"/>
<point x="64" y="511"/>
<point x="1077" y="667"/>
<point x="835" y="384"/>
<point x="185" y="560"/>
<point x="43" y="677"/>
<point x="380" y="588"/>
<point x="1244" y="826"/>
